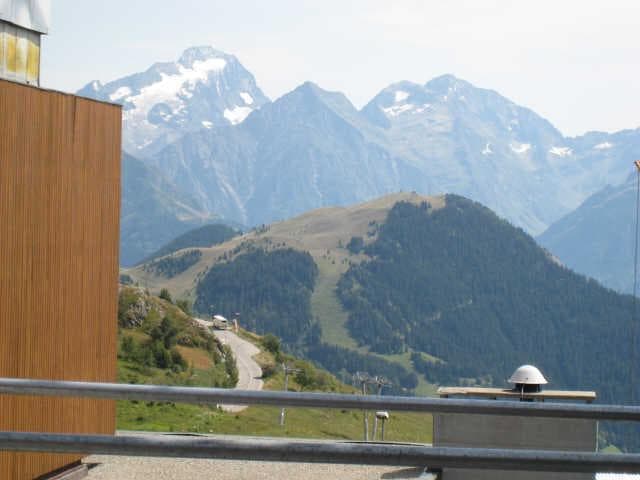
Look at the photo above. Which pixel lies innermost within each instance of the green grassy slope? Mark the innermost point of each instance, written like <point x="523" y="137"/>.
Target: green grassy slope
<point x="205" y="366"/>
<point x="325" y="235"/>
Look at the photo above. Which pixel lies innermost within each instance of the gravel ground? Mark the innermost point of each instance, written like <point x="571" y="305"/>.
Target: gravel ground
<point x="147" y="468"/>
<point x="111" y="467"/>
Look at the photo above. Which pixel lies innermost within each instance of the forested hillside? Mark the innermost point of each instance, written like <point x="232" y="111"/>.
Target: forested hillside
<point x="424" y="291"/>
<point x="480" y="295"/>
<point x="205" y="236"/>
<point x="271" y="290"/>
<point x="173" y="265"/>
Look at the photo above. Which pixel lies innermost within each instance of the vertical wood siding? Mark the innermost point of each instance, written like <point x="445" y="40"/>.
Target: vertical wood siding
<point x="59" y="223"/>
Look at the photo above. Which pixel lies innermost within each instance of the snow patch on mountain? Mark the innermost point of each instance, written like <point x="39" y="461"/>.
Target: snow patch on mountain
<point x="120" y="93"/>
<point x="603" y="146"/>
<point x="520" y="147"/>
<point x="396" y="110"/>
<point x="561" y="151"/>
<point x="95" y="85"/>
<point x="248" y="99"/>
<point x="422" y="108"/>
<point x="401" y="96"/>
<point x="169" y="89"/>
<point x="237" y="114"/>
<point x="487" y="149"/>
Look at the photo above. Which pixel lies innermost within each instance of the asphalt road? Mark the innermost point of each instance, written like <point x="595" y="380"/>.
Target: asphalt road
<point x="249" y="372"/>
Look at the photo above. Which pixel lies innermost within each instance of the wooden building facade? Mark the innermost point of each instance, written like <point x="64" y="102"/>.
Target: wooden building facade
<point x="59" y="229"/>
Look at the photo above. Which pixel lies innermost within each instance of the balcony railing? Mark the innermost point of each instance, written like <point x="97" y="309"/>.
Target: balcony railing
<point x="226" y="447"/>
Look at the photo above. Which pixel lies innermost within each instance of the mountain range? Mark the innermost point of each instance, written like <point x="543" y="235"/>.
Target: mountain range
<point x="597" y="239"/>
<point x="153" y="211"/>
<point x="204" y="89"/>
<point x="205" y="125"/>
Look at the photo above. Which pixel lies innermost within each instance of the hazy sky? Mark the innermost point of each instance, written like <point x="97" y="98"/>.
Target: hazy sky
<point x="577" y="63"/>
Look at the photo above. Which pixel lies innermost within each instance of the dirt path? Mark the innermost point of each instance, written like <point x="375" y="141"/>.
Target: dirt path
<point x="249" y="372"/>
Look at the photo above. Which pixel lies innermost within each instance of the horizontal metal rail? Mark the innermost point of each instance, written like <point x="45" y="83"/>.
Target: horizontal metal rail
<point x="234" y="448"/>
<point x="202" y="395"/>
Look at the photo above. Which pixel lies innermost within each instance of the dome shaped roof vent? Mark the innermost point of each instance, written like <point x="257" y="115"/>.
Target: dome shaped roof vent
<point x="528" y="378"/>
<point x="528" y="375"/>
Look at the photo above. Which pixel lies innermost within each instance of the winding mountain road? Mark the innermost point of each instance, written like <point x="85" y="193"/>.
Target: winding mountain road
<point x="249" y="372"/>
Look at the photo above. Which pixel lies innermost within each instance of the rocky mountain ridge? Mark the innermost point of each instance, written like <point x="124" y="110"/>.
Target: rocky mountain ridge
<point x="205" y="88"/>
<point x="204" y="123"/>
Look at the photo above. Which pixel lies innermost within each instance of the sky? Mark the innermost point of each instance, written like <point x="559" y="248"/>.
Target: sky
<point x="576" y="63"/>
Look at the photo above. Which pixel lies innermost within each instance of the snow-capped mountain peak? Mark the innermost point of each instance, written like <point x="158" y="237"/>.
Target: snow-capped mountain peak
<point x="205" y="88"/>
<point x="200" y="54"/>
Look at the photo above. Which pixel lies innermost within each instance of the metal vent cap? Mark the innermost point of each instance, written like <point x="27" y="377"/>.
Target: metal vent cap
<point x="528" y="375"/>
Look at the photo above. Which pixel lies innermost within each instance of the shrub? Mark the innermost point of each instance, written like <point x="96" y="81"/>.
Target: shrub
<point x="271" y="343"/>
<point x="165" y="295"/>
<point x="184" y="305"/>
<point x="355" y="245"/>
<point x="269" y="370"/>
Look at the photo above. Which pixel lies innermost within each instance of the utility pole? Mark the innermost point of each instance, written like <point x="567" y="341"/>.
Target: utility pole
<point x="287" y="370"/>
<point x="634" y="321"/>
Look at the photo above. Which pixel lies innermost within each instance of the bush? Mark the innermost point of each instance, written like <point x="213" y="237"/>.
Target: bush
<point x="166" y="332"/>
<point x="161" y="356"/>
<point x="310" y="378"/>
<point x="128" y="348"/>
<point x="184" y="305"/>
<point x="271" y="343"/>
<point x="230" y="367"/>
<point x="355" y="245"/>
<point x="269" y="370"/>
<point x="151" y="321"/>
<point x="177" y="360"/>
<point x="127" y="298"/>
<point x="165" y="295"/>
<point x="306" y="375"/>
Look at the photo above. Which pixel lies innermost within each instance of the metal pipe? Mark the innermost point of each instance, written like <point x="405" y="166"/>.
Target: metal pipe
<point x="286" y="389"/>
<point x="214" y="396"/>
<point x="234" y="448"/>
<point x="365" y="414"/>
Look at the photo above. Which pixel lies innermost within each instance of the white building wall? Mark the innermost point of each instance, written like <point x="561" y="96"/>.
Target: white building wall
<point x="30" y="14"/>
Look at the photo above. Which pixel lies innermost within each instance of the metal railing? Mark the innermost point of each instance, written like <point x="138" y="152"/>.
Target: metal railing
<point x="359" y="453"/>
<point x="318" y="451"/>
<point x="200" y="395"/>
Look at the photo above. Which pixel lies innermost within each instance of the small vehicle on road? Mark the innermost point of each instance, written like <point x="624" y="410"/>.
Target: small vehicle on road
<point x="220" y="323"/>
